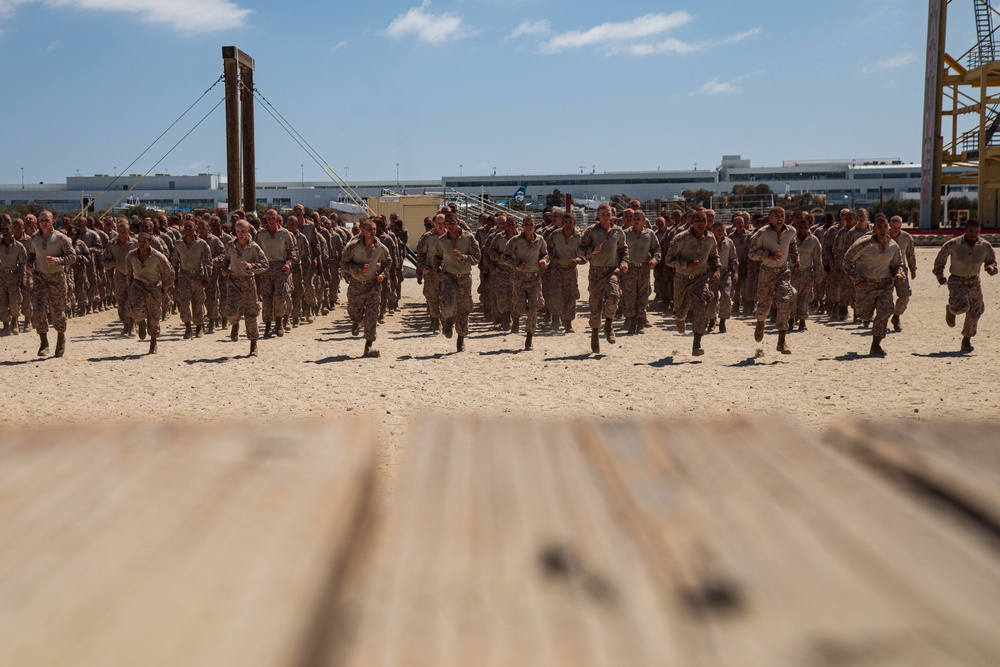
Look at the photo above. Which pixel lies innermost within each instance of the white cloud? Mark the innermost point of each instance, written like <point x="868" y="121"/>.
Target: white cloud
<point x="52" y="46"/>
<point x="608" y="34"/>
<point x="716" y="87"/>
<point x="898" y="60"/>
<point x="530" y="28"/>
<point x="189" y="16"/>
<point x="672" y="45"/>
<point x="425" y="25"/>
<point x="339" y="45"/>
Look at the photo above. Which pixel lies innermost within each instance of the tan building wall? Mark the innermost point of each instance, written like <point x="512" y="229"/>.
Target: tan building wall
<point x="411" y="208"/>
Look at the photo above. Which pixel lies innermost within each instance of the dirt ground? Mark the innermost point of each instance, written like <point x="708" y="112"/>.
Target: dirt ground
<point x="316" y="372"/>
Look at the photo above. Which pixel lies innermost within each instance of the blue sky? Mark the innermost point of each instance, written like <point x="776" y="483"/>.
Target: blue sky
<point x="522" y="86"/>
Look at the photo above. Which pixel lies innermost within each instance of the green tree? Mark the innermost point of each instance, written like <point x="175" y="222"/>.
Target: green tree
<point x="699" y="197"/>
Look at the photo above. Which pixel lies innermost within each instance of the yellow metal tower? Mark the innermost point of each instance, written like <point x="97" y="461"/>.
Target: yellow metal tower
<point x="961" y="117"/>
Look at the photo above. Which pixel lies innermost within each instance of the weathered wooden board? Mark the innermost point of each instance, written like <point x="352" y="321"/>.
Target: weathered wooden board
<point x="959" y="462"/>
<point x="175" y="546"/>
<point x="736" y="544"/>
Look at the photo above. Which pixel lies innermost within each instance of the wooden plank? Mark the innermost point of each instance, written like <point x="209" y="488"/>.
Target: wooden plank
<point x="808" y="557"/>
<point x="176" y="546"/>
<point x="959" y="462"/>
<point x="498" y="550"/>
<point x="692" y="543"/>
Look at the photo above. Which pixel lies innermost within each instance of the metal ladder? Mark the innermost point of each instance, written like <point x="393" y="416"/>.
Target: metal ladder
<point x="984" y="31"/>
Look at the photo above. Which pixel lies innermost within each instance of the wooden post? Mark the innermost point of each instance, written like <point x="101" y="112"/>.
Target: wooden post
<point x="249" y="148"/>
<point x="232" y="126"/>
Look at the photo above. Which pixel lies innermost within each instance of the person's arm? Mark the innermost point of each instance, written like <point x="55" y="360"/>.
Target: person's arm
<point x="940" y="261"/>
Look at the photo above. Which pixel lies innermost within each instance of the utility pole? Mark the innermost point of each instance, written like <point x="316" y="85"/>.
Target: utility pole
<point x="241" y="165"/>
<point x="22" y="178"/>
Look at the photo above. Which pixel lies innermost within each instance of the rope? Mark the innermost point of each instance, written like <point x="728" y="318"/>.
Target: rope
<point x="309" y="150"/>
<point x="168" y="152"/>
<point x="116" y="178"/>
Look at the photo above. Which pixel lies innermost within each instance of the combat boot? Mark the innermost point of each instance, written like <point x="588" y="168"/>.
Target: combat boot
<point x="460" y="346"/>
<point x="152" y="344"/>
<point x="527" y="342"/>
<point x="722" y="326"/>
<point x="680" y="325"/>
<point x="188" y="332"/>
<point x="802" y="325"/>
<point x="267" y="329"/>
<point x="355" y="328"/>
<point x="696" y="347"/>
<point x="876" y="349"/>
<point x="640" y="326"/>
<point x="435" y="325"/>
<point x="711" y="326"/>
<point x="782" y="345"/>
<point x="142" y="329"/>
<point x="609" y="330"/>
<point x="569" y="326"/>
<point x="253" y="349"/>
<point x="279" y="330"/>
<point x="6" y="329"/>
<point x="43" y="347"/>
<point x="126" y="330"/>
<point x="866" y="324"/>
<point x="60" y="344"/>
<point x="234" y="333"/>
<point x="949" y="317"/>
<point x="284" y="322"/>
<point x="896" y="326"/>
<point x="595" y="341"/>
<point x="967" y="344"/>
<point x="505" y="322"/>
<point x="295" y="321"/>
<point x="211" y="326"/>
<point x="369" y="352"/>
<point x="309" y="319"/>
<point x="630" y="325"/>
<point x="758" y="332"/>
<point x="199" y="330"/>
<point x="515" y="325"/>
<point x="448" y="327"/>
<point x="14" y="327"/>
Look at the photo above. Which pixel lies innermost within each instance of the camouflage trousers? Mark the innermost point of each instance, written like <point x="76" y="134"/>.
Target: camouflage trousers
<point x="526" y="297"/>
<point x="805" y="284"/>
<point x="903" y="294"/>
<point x="10" y="296"/>
<point x="694" y="294"/>
<point x="80" y="283"/>
<point x="388" y="293"/>
<point x="874" y="304"/>
<point x="740" y="285"/>
<point x="190" y="297"/>
<point x="720" y="307"/>
<point x="432" y="293"/>
<point x="298" y="291"/>
<point x="241" y="301"/>
<point x="564" y="291"/>
<point x="965" y="295"/>
<point x="775" y="286"/>
<point x="605" y="291"/>
<point x="102" y="277"/>
<point x="276" y="292"/>
<point x="750" y="284"/>
<point x="48" y="301"/>
<point x="847" y="290"/>
<point x="334" y="284"/>
<point x="363" y="304"/>
<point x="501" y="290"/>
<point x="212" y="295"/>
<point x="311" y="289"/>
<point x="834" y="284"/>
<point x="456" y="300"/>
<point x="121" y="297"/>
<point x="26" y="308"/>
<point x="636" y="289"/>
<point x="144" y="303"/>
<point x="90" y="294"/>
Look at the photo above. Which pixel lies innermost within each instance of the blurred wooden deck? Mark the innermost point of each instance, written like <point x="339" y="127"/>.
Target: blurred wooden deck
<point x="653" y="543"/>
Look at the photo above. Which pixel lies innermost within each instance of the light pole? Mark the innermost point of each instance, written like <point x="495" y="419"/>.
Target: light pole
<point x="459" y="171"/>
<point x="22" y="178"/>
<point x="346" y="170"/>
<point x="302" y="169"/>
<point x="397" y="175"/>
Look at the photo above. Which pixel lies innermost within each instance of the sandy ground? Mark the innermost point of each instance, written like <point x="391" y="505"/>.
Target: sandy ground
<point x="316" y="372"/>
